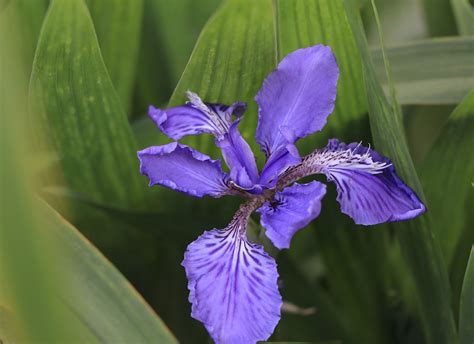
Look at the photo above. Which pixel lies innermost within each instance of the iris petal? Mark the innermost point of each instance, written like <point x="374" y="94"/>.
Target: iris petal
<point x="239" y="157"/>
<point x="292" y="209"/>
<point x="368" y="188"/>
<point x="233" y="285"/>
<point x="183" y="169"/>
<point x="284" y="157"/>
<point x="180" y="121"/>
<point x="297" y="97"/>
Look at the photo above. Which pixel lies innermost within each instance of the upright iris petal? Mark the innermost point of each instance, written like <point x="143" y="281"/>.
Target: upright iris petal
<point x="238" y="156"/>
<point x="233" y="284"/>
<point x="284" y="157"/>
<point x="297" y="97"/>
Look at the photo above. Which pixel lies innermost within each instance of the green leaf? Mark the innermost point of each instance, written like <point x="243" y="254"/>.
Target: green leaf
<point x="305" y="23"/>
<point x="234" y="53"/>
<point x="178" y="23"/>
<point x="434" y="71"/>
<point x="24" y="256"/>
<point x="170" y="30"/>
<point x="466" y="316"/>
<point x="439" y="17"/>
<point x="97" y="295"/>
<point x="56" y="287"/>
<point x="74" y="103"/>
<point x="464" y="15"/>
<point x="419" y="248"/>
<point x="447" y="176"/>
<point x="117" y="24"/>
<point x="30" y="14"/>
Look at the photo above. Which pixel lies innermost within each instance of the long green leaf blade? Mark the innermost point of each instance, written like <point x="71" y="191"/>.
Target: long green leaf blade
<point x="434" y="71"/>
<point x="464" y="15"/>
<point x="30" y="14"/>
<point x="419" y="248"/>
<point x="75" y="104"/>
<point x="466" y="317"/>
<point x="98" y="296"/>
<point x="25" y="257"/>
<point x="118" y="24"/>
<point x="447" y="175"/>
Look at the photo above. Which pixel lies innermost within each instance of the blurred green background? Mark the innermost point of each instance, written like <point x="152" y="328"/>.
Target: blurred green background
<point x="89" y="253"/>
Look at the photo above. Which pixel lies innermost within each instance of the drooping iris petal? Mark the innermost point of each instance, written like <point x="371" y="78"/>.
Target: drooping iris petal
<point x="279" y="161"/>
<point x="368" y="187"/>
<point x="184" y="169"/>
<point x="297" y="97"/>
<point x="233" y="285"/>
<point x="195" y="117"/>
<point x="238" y="156"/>
<point x="292" y="209"/>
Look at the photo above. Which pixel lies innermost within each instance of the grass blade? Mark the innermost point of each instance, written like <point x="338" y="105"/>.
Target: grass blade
<point x="466" y="317"/>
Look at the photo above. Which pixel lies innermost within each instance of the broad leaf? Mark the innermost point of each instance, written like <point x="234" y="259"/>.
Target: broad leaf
<point x="118" y="24"/>
<point x="466" y="316"/>
<point x="447" y="176"/>
<point x="97" y="294"/>
<point x="419" y="248"/>
<point x="24" y="255"/>
<point x="74" y="103"/>
<point x="435" y="71"/>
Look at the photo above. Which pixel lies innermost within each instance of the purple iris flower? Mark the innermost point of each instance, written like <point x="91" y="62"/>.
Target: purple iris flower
<point x="232" y="281"/>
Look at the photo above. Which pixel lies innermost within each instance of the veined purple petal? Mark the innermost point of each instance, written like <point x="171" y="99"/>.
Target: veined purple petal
<point x="284" y="157"/>
<point x="184" y="169"/>
<point x="297" y="97"/>
<point x="180" y="121"/>
<point x="292" y="209"/>
<point x="238" y="156"/>
<point x="196" y="117"/>
<point x="233" y="285"/>
<point x="368" y="187"/>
